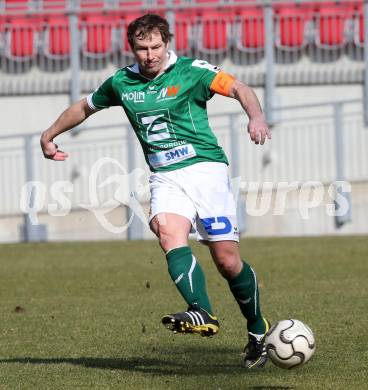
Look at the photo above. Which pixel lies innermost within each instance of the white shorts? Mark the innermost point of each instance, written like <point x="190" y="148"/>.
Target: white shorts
<point x="200" y="192"/>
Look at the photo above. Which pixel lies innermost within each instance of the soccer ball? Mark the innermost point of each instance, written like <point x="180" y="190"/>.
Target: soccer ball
<point x="290" y="343"/>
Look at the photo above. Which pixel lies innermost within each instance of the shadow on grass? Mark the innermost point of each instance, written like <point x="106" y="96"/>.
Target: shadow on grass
<point x="191" y="362"/>
<point x="136" y="364"/>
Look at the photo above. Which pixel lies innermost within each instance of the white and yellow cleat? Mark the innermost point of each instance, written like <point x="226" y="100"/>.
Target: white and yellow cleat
<point x="194" y="320"/>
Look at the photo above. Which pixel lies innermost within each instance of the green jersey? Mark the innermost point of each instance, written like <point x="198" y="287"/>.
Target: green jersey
<point x="168" y="113"/>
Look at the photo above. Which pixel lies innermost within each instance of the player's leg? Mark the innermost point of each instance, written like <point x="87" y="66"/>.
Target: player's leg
<point x="217" y="224"/>
<point x="172" y="231"/>
<point x="244" y="287"/>
<point x="171" y="216"/>
<point x="242" y="282"/>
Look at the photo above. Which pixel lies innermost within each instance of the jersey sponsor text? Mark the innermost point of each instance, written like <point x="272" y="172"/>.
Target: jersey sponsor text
<point x="153" y="148"/>
<point x="169" y="92"/>
<point x="172" y="156"/>
<point x="136" y="96"/>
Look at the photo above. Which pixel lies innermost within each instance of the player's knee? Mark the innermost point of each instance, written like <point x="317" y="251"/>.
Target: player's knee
<point x="167" y="239"/>
<point x="166" y="242"/>
<point x="228" y="269"/>
<point x="170" y="235"/>
<point x="229" y="265"/>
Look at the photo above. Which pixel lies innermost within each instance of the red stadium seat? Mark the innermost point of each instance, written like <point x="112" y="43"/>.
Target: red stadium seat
<point x="20" y="38"/>
<point x="184" y="24"/>
<point x="214" y="31"/>
<point x="56" y="34"/>
<point x="16" y="5"/>
<point x="91" y="4"/>
<point x="54" y="5"/>
<point x="97" y="32"/>
<point x="129" y="4"/>
<point x="206" y="1"/>
<point x="2" y="23"/>
<point x="56" y="42"/>
<point x="291" y="23"/>
<point x="174" y="2"/>
<point x="249" y="33"/>
<point x="331" y="22"/>
<point x="2" y="32"/>
<point x="359" y="27"/>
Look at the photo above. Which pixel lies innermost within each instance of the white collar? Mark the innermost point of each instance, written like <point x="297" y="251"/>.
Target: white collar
<point x="171" y="59"/>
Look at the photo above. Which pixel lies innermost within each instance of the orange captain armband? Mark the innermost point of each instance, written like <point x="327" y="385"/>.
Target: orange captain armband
<point x="222" y="83"/>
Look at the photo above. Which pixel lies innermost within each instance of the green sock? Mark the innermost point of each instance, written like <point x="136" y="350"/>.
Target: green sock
<point x="188" y="277"/>
<point x="245" y="290"/>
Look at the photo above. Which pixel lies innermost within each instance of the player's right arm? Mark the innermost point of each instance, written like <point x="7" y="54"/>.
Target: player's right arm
<point x="71" y="117"/>
<point x="103" y="97"/>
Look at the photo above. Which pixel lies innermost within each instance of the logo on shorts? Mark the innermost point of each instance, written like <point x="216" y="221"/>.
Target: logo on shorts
<point x="216" y="225"/>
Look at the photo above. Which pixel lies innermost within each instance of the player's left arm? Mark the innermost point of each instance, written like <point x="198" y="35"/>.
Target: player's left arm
<point x="227" y="85"/>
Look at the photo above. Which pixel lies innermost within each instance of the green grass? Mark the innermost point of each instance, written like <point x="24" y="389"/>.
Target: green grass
<point x="92" y="314"/>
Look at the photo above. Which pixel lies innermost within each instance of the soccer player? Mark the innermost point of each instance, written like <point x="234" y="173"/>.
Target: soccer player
<point x="165" y="99"/>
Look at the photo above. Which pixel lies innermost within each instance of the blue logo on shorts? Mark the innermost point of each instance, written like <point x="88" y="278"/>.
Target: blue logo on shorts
<point x="224" y="229"/>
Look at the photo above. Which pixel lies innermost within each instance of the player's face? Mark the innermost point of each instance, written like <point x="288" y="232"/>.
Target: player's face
<point x="151" y="54"/>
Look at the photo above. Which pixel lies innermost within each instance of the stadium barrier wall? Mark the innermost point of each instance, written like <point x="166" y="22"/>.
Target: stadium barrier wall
<point x="303" y="150"/>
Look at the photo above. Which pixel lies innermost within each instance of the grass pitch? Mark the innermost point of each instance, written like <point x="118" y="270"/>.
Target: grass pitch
<point x="87" y="315"/>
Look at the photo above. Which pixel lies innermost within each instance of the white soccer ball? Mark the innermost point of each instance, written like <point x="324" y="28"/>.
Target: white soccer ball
<point x="290" y="343"/>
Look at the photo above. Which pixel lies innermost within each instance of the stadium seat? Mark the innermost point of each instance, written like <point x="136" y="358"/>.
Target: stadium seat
<point x="206" y="1"/>
<point x="2" y="33"/>
<point x="56" y="37"/>
<point x="97" y="35"/>
<point x="56" y="34"/>
<point x="291" y="25"/>
<point x="331" y="23"/>
<point x="213" y="31"/>
<point x="131" y="4"/>
<point x="249" y="30"/>
<point x="60" y="5"/>
<point x="16" y="5"/>
<point x="184" y="24"/>
<point x="359" y="26"/>
<point x="54" y="5"/>
<point x="91" y="4"/>
<point x="20" y="38"/>
<point x="177" y="3"/>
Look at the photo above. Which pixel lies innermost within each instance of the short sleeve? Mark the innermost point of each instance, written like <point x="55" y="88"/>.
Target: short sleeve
<point x="203" y="74"/>
<point x="104" y="96"/>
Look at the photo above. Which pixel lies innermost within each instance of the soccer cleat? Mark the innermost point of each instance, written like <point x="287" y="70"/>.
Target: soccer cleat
<point x="194" y="320"/>
<point x="254" y="354"/>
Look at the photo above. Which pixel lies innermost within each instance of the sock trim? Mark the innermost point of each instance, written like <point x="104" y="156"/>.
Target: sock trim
<point x="179" y="278"/>
<point x="255" y="290"/>
<point x="177" y="247"/>
<point x="194" y="262"/>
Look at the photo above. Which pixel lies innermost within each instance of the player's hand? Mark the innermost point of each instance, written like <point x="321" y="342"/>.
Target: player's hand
<point x="51" y="151"/>
<point x="258" y="130"/>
